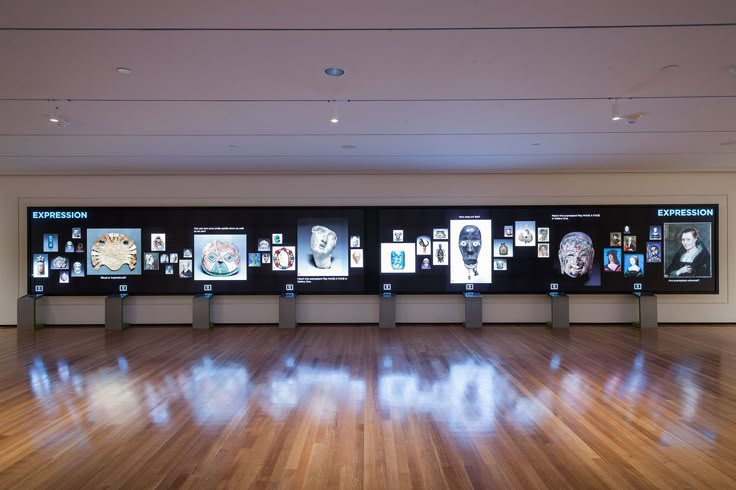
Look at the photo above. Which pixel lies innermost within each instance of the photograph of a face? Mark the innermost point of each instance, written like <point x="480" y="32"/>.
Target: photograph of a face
<point x="220" y="257"/>
<point x="471" y="251"/>
<point x="654" y="252"/>
<point x="398" y="258"/>
<point x="576" y="258"/>
<point x="40" y="265"/>
<point x="323" y="247"/>
<point x="77" y="269"/>
<point x="687" y="249"/>
<point x="633" y="265"/>
<point x="150" y="261"/>
<point x="114" y="251"/>
<point x="185" y="268"/>
<point x="630" y="243"/>
<point x="612" y="260"/>
<point x="356" y="258"/>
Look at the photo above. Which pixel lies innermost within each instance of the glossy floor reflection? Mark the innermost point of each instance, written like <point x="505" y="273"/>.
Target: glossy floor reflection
<point x="359" y="407"/>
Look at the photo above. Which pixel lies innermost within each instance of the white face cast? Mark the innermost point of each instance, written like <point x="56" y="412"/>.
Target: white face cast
<point x="322" y="243"/>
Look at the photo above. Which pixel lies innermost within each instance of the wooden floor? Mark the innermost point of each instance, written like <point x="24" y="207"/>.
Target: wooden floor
<point x="358" y="407"/>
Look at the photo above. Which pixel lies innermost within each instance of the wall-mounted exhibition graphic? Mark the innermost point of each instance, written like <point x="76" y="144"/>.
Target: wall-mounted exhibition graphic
<point x="470" y="261"/>
<point x="323" y="247"/>
<point x="162" y="250"/>
<point x="365" y="250"/>
<point x="113" y="251"/>
<point x="687" y="250"/>
<point x="219" y="257"/>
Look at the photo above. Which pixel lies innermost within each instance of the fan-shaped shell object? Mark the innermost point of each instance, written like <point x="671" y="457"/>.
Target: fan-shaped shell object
<point x="113" y="250"/>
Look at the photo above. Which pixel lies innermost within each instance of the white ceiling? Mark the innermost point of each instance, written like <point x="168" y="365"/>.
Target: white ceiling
<point x="438" y="86"/>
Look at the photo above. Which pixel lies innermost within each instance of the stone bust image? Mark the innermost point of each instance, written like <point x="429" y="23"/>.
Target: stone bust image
<point x="576" y="254"/>
<point x="322" y="243"/>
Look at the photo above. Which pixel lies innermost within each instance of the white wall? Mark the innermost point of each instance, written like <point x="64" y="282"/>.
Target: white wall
<point x="19" y="192"/>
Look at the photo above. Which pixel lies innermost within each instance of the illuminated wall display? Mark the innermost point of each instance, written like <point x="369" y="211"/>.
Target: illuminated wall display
<point x="325" y="250"/>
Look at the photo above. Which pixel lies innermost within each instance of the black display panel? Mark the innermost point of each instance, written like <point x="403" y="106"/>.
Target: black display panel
<point x="92" y="251"/>
<point x="571" y="249"/>
<point x="330" y="250"/>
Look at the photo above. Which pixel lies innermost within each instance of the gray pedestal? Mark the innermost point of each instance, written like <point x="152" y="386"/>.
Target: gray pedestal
<point x="114" y="312"/>
<point x="201" y="311"/>
<point x="27" y="312"/>
<point x="386" y="310"/>
<point x="473" y="310"/>
<point x="287" y="310"/>
<point x="560" y="310"/>
<point x="647" y="311"/>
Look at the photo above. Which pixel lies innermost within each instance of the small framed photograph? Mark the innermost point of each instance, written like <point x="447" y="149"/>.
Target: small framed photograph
<point x="185" y="268"/>
<point x="264" y="245"/>
<point x="158" y="242"/>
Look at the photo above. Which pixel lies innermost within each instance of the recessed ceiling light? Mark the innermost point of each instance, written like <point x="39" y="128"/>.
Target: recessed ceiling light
<point x="536" y="144"/>
<point x="669" y="68"/>
<point x="334" y="71"/>
<point x="124" y="71"/>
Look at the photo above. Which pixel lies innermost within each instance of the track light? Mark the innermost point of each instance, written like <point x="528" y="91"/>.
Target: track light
<point x="57" y="119"/>
<point x="615" y="114"/>
<point x="334" y="117"/>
